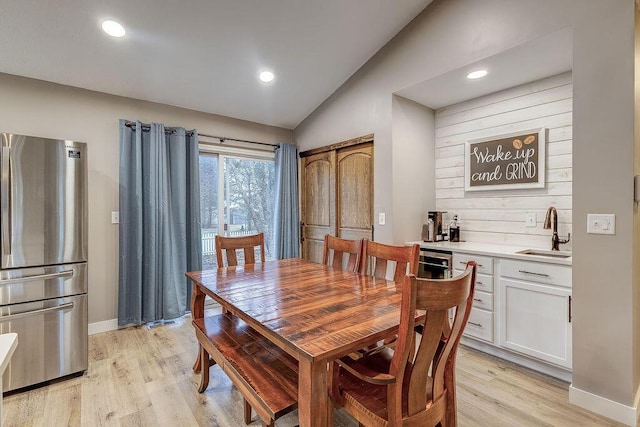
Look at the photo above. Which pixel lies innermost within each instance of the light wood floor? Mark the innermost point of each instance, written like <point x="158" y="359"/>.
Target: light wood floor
<point x="142" y="377"/>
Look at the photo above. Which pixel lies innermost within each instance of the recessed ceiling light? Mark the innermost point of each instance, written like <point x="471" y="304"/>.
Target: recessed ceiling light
<point x="266" y="76"/>
<point x="113" y="28"/>
<point x="477" y="74"/>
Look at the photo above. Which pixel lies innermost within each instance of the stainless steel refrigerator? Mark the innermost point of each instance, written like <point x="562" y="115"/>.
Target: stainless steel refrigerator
<point x="43" y="257"/>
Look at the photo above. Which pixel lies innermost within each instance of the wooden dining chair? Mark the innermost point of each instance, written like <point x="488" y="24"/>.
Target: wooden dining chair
<point x="375" y="261"/>
<point x="230" y="246"/>
<point x="387" y="388"/>
<point x="376" y="256"/>
<point x="335" y="250"/>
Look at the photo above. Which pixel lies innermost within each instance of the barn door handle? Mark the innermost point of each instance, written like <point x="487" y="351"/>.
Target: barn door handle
<point x="301" y="231"/>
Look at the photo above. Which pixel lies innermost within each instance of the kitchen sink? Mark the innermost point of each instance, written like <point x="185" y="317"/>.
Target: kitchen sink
<point x="542" y="252"/>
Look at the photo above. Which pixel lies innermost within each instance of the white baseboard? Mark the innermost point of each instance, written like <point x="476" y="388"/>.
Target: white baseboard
<point x="624" y="414"/>
<point x="104" y="326"/>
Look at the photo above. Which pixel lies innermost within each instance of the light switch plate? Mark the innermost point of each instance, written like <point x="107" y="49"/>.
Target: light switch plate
<point x="531" y="219"/>
<point x="381" y="218"/>
<point x="115" y="217"/>
<point x="601" y="224"/>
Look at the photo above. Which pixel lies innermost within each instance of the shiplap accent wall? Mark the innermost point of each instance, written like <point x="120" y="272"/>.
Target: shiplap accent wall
<point x="499" y="216"/>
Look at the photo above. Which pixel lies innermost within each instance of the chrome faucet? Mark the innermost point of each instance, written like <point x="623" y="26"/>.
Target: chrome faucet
<point x="555" y="240"/>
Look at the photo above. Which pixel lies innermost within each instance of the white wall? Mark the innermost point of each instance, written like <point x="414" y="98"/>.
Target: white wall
<point x="498" y="216"/>
<point x="452" y="33"/>
<point x="413" y="168"/>
<point x="33" y="107"/>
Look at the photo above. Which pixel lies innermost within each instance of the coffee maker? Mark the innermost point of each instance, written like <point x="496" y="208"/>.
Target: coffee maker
<point x="433" y="230"/>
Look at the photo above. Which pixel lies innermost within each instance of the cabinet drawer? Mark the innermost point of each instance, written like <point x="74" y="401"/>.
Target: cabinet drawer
<point x="483" y="300"/>
<point x="485" y="264"/>
<point x="550" y="274"/>
<point x="484" y="282"/>
<point x="480" y="324"/>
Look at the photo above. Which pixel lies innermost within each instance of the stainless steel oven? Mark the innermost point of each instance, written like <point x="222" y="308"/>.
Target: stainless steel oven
<point x="435" y="264"/>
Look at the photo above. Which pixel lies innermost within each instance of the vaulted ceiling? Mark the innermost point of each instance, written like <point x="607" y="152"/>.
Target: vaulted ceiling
<point x="203" y="55"/>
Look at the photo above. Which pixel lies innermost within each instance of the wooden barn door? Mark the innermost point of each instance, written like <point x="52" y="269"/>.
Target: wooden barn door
<point x="354" y="192"/>
<point x="337" y="194"/>
<point x="318" y="203"/>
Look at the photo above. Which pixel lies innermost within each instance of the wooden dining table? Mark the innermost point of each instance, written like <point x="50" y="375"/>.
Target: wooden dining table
<point x="314" y="312"/>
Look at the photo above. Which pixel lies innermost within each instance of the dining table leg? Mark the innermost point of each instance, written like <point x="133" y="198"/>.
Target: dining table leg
<point x="313" y="399"/>
<point x="197" y="312"/>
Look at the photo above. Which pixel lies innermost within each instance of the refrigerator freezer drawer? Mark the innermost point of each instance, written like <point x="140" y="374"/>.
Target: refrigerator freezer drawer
<point x="52" y="340"/>
<point x="39" y="283"/>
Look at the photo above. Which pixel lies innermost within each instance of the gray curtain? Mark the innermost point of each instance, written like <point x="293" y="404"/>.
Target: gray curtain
<point x="286" y="230"/>
<point x="160" y="236"/>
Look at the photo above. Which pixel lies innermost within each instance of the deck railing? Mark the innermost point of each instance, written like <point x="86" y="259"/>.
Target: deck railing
<point x="209" y="239"/>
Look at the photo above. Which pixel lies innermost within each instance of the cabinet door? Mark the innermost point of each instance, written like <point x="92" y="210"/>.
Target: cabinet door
<point x="535" y="320"/>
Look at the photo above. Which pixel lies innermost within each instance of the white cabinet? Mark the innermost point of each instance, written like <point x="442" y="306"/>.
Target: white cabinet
<point x="481" y="319"/>
<point x="521" y="306"/>
<point x="535" y="310"/>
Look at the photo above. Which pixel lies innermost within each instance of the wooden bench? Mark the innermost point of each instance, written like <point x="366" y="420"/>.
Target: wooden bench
<point x="266" y="376"/>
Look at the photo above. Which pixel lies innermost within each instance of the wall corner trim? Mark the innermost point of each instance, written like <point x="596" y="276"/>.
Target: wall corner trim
<point x="627" y="415"/>
<point x="104" y="326"/>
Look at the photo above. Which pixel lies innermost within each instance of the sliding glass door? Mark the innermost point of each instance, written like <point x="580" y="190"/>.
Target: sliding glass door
<point x="236" y="199"/>
<point x="209" y="212"/>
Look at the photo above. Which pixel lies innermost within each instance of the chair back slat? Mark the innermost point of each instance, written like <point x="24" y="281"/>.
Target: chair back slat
<point x="232" y="258"/>
<point x="229" y="246"/>
<point x="375" y="258"/>
<point x="335" y="250"/>
<point x="249" y="255"/>
<point x="427" y="349"/>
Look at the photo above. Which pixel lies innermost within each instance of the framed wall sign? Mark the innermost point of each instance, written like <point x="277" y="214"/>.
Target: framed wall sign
<point x="510" y="161"/>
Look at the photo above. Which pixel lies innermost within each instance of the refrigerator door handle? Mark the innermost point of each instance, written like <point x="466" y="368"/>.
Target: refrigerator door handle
<point x="34" y="312"/>
<point x="5" y="191"/>
<point x="65" y="273"/>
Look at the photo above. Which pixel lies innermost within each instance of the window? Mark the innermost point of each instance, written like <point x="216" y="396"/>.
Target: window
<point x="236" y="197"/>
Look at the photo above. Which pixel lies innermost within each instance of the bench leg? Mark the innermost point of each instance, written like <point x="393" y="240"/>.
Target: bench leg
<point x="247" y="415"/>
<point x="247" y="412"/>
<point x="204" y="370"/>
<point x="198" y="363"/>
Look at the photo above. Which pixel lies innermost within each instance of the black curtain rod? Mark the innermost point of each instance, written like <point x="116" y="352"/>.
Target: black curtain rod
<point x="222" y="139"/>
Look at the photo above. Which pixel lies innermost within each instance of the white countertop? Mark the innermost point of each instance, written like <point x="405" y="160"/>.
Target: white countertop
<point x="489" y="249"/>
<point x="8" y="344"/>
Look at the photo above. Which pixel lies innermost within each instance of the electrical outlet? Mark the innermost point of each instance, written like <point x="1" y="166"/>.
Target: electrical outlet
<point x="531" y="219"/>
<point x="115" y="217"/>
<point x="382" y="218"/>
